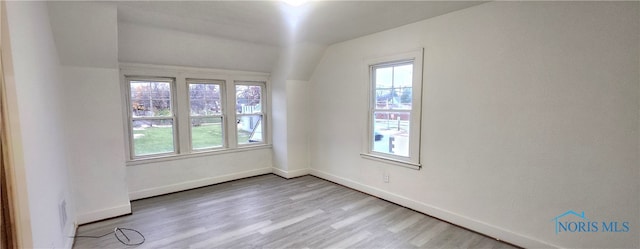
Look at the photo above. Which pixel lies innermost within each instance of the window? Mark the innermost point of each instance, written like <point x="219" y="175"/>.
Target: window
<point x="183" y="112"/>
<point x="249" y="112"/>
<point x="206" y="116"/>
<point x="152" y="116"/>
<point x="394" y="108"/>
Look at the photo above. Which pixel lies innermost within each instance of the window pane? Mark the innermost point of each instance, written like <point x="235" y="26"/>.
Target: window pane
<point x="384" y="98"/>
<point x="384" y="77"/>
<point x="391" y="132"/>
<point x="248" y="99"/>
<point x="393" y="87"/>
<point x="406" y="98"/>
<point x="402" y="82"/>
<point x="403" y="75"/>
<point x="250" y="129"/>
<point x="206" y="133"/>
<point x="205" y="99"/>
<point x="152" y="136"/>
<point x="150" y="99"/>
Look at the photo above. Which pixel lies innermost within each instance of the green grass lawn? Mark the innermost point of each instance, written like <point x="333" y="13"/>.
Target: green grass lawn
<point x="206" y="136"/>
<point x="155" y="140"/>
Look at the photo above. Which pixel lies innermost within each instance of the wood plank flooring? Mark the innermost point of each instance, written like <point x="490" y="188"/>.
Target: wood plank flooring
<point x="271" y="212"/>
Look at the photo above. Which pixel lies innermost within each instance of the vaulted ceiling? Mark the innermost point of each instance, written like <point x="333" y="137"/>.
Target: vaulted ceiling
<point x="278" y="23"/>
<point x="223" y="34"/>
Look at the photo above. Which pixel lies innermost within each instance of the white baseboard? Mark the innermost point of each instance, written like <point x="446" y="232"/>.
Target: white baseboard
<point x="292" y="173"/>
<point x="457" y="219"/>
<point x="149" y="192"/>
<point x="70" y="235"/>
<point x="104" y="214"/>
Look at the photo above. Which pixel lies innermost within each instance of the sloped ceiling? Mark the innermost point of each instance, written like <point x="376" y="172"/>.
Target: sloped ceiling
<point x="279" y="24"/>
<point x="86" y="33"/>
<point x="239" y="35"/>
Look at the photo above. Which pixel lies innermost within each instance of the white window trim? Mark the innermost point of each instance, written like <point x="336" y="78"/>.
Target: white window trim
<point x="263" y="106"/>
<point x="180" y="103"/>
<point x="413" y="160"/>
<point x="196" y="154"/>
<point x="130" y="118"/>
<point x="223" y="115"/>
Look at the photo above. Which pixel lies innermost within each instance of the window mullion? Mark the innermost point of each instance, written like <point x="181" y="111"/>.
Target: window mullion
<point x="231" y="125"/>
<point x="183" y="138"/>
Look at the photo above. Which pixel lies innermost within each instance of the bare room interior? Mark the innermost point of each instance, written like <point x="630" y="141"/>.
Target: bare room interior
<point x="320" y="124"/>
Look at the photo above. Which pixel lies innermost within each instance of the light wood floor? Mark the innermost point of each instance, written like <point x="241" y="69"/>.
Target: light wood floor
<point x="271" y="212"/>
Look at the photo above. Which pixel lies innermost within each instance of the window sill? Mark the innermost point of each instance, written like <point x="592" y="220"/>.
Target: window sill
<point x="166" y="158"/>
<point x="391" y="161"/>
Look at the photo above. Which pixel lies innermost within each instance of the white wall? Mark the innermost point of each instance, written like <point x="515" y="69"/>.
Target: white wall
<point x="34" y="81"/>
<point x="90" y="50"/>
<point x="278" y="80"/>
<point x="529" y="109"/>
<point x="143" y="44"/>
<point x="158" y="178"/>
<point x="291" y="120"/>
<point x="96" y="142"/>
<point x="150" y="177"/>
<point x="86" y="37"/>
<point x="297" y="61"/>
<point x="290" y="108"/>
<point x="298" y="121"/>
<point x="86" y="33"/>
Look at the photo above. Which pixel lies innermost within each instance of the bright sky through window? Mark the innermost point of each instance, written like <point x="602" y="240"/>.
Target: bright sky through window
<point x="400" y="76"/>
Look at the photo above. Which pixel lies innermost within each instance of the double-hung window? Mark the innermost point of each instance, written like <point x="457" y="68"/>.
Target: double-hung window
<point x="184" y="112"/>
<point x="206" y="114"/>
<point x="152" y="118"/>
<point x="250" y="112"/>
<point x="394" y="109"/>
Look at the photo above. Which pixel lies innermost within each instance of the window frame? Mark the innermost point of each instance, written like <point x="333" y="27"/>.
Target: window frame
<point x="413" y="159"/>
<point x="263" y="105"/>
<point x="131" y="118"/>
<point x="181" y="109"/>
<point x="221" y="84"/>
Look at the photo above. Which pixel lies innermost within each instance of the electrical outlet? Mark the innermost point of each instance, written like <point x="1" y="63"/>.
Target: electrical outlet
<point x="385" y="177"/>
